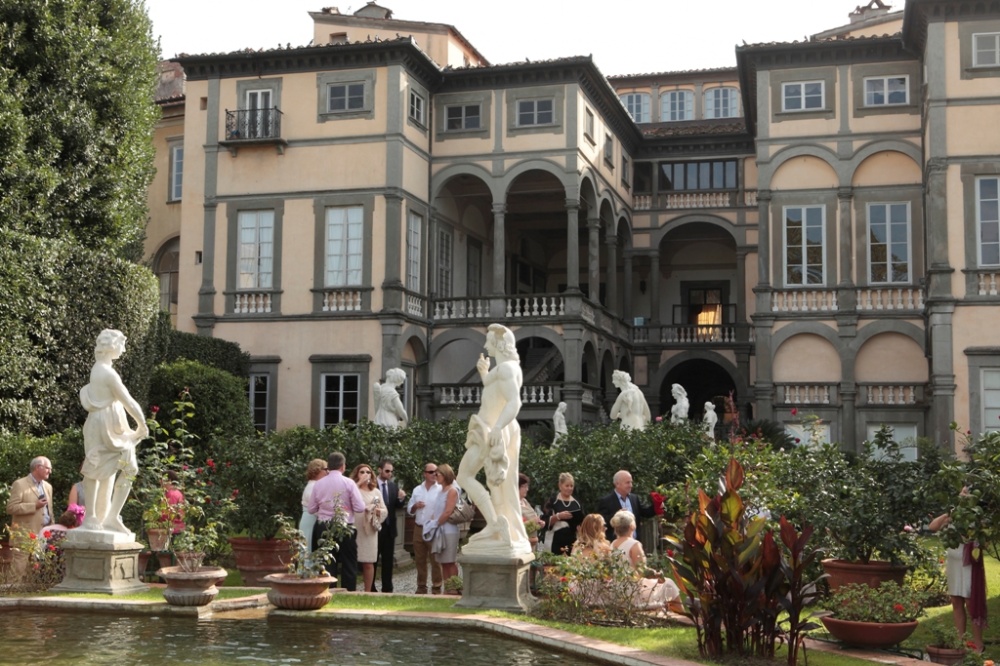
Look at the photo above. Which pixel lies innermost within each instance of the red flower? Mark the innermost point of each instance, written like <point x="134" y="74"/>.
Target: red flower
<point x="899" y="608"/>
<point x="155" y="409"/>
<point x="184" y="467"/>
<point x="795" y="411"/>
<point x="52" y="548"/>
<point x="659" y="419"/>
<point x="563" y="579"/>
<point x="47" y="534"/>
<point x="199" y="470"/>
<point x="32" y="536"/>
<point x="236" y="491"/>
<point x="797" y="440"/>
<point x="210" y="463"/>
<point x="970" y="645"/>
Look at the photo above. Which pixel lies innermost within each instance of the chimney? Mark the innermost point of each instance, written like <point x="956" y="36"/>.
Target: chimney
<point x="872" y="10"/>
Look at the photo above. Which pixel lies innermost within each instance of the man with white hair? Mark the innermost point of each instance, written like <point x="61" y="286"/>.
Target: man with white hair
<point x="622" y="499"/>
<point x="30" y="503"/>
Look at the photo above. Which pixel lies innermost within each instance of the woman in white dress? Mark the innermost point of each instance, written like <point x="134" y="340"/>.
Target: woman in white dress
<point x="446" y="501"/>
<point x="655" y="593"/>
<point x="315" y="470"/>
<point x="368" y="526"/>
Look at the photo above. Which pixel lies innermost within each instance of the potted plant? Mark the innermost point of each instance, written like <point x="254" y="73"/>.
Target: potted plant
<point x="453" y="585"/>
<point x="947" y="646"/>
<point x="306" y="584"/>
<point x="866" y="616"/>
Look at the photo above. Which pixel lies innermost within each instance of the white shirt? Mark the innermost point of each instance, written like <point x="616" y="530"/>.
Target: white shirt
<point x="428" y="497"/>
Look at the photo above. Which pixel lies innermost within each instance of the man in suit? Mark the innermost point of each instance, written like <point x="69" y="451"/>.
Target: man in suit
<point x="622" y="498"/>
<point x="393" y="498"/>
<point x="30" y="502"/>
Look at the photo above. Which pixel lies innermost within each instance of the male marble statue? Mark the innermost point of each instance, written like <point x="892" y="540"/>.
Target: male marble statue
<point x="389" y="409"/>
<point x="631" y="405"/>
<point x="109" y="464"/>
<point x="559" y="423"/>
<point x="493" y="444"/>
<point x="679" y="412"/>
<point x="710" y="419"/>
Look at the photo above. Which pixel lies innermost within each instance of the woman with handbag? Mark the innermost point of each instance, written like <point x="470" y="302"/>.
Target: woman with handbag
<point x="447" y="531"/>
<point x="370" y="524"/>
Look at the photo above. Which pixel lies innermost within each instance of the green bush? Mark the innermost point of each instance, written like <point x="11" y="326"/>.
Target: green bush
<point x="65" y="450"/>
<point x="223" y="407"/>
<point x="218" y="353"/>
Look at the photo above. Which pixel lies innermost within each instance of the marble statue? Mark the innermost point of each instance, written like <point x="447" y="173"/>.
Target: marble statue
<point x="559" y="423"/>
<point x="389" y="410"/>
<point x="679" y="412"/>
<point x="493" y="444"/>
<point x="109" y="465"/>
<point x="631" y="405"/>
<point x="710" y="419"/>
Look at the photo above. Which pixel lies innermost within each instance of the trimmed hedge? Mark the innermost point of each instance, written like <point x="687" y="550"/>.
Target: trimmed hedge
<point x="220" y="397"/>
<point x="218" y="353"/>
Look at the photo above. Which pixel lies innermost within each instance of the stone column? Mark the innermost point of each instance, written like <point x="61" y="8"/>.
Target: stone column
<point x="392" y="285"/>
<point x="572" y="245"/>
<point x="741" y="286"/>
<point x="611" y="241"/>
<point x="846" y="295"/>
<point x="499" y="250"/>
<point x="763" y="288"/>
<point x="627" y="288"/>
<point x="654" y="287"/>
<point x="594" y="258"/>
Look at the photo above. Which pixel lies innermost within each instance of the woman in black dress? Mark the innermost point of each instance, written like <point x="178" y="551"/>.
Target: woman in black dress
<point x="562" y="515"/>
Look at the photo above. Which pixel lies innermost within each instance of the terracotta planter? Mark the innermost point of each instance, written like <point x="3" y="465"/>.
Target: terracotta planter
<point x="869" y="634"/>
<point x="256" y="558"/>
<point x="191" y="588"/>
<point x="290" y="592"/>
<point x="144" y="557"/>
<point x="872" y="574"/>
<point x="946" y="656"/>
<point x="189" y="561"/>
<point x="157" y="539"/>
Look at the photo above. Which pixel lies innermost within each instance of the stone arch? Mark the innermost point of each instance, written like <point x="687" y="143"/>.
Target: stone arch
<point x="809" y="356"/>
<point x="589" y="368"/>
<point x="440" y="179"/>
<point x="453" y="354"/>
<point x="698" y="355"/>
<point x="875" y="147"/>
<point x="868" y="331"/>
<point x="656" y="238"/>
<point x="706" y="377"/>
<point x="894" y="356"/>
<point x="548" y="166"/>
<point x="779" y="337"/>
<point x="767" y="170"/>
<point x="806" y="172"/>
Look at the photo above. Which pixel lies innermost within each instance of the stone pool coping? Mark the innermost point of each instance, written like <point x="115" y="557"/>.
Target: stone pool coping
<point x="564" y="641"/>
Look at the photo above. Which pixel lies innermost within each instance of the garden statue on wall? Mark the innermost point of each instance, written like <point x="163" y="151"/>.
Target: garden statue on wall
<point x="710" y="419"/>
<point x="389" y="410"/>
<point x="493" y="444"/>
<point x="631" y="405"/>
<point x="679" y="412"/>
<point x="559" y="423"/>
<point x="109" y="442"/>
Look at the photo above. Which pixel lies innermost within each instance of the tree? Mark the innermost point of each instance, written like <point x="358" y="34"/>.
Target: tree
<point x="77" y="83"/>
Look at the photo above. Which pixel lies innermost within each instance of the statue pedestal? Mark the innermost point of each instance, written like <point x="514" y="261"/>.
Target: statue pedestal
<point x="103" y="566"/>
<point x="493" y="581"/>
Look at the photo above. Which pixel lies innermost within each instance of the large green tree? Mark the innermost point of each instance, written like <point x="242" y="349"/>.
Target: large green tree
<point x="77" y="80"/>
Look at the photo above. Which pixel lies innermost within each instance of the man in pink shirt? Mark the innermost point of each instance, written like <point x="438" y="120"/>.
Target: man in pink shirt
<point x="332" y="491"/>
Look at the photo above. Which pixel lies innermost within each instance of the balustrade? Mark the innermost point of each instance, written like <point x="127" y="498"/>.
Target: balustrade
<point x="247" y="302"/>
<point x="342" y="300"/>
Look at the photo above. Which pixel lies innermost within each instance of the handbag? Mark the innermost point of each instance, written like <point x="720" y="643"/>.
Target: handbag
<point x="463" y="512"/>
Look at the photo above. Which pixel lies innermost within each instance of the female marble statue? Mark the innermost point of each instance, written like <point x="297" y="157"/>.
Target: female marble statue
<point x="631" y="405"/>
<point x="710" y="419"/>
<point x="679" y="412"/>
<point x="559" y="423"/>
<point x="389" y="410"/>
<point x="108" y="440"/>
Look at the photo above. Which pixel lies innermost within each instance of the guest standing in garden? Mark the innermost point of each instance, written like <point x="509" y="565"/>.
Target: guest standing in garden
<point x="421" y="506"/>
<point x="392" y="497"/>
<point x="562" y="515"/>
<point x="370" y="524"/>
<point x="336" y="495"/>
<point x="966" y="577"/>
<point x="315" y="470"/>
<point x="445" y="504"/>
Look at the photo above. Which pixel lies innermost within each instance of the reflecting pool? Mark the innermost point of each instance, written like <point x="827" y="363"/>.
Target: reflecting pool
<point x="86" y="638"/>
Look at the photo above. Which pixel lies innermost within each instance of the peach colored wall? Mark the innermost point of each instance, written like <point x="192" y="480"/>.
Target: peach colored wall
<point x="804" y="172"/>
<point x="972" y="129"/>
<point x="164" y="217"/>
<point x="806" y="358"/>
<point x="887" y="168"/>
<point x="887" y="28"/>
<point x="192" y="205"/>
<point x="891" y="357"/>
<point x="750" y="173"/>
<point x="298" y="238"/>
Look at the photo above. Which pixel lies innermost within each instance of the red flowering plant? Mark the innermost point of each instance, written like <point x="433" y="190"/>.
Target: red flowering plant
<point x="889" y="603"/>
<point x="38" y="563"/>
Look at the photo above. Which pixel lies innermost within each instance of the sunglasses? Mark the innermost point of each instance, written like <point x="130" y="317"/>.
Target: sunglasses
<point x="430" y="471"/>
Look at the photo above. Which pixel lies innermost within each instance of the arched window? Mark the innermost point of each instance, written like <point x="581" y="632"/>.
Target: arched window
<point x="722" y="103"/>
<point x="166" y="269"/>
<point x="676" y="105"/>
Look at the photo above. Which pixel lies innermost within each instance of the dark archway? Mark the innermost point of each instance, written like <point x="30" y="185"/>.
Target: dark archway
<point x="704" y="381"/>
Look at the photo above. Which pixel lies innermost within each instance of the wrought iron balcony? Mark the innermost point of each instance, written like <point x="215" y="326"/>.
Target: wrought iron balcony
<point x="253" y="126"/>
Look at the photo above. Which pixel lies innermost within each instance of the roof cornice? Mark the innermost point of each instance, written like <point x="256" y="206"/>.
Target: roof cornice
<point x="919" y="13"/>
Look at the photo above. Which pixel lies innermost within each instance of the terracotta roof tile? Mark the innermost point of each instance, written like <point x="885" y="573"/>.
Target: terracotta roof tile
<point x="839" y="38"/>
<point x="694" y="128"/>
<point x="707" y="70"/>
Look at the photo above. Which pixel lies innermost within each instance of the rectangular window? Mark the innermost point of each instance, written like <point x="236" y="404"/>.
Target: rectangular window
<point x="805" y="253"/>
<point x="991" y="400"/>
<point x="637" y="104"/>
<point x="340" y="399"/>
<point x="624" y="173"/>
<point x="676" y="105"/>
<point x="886" y="90"/>
<point x="802" y="96"/>
<point x="464" y="117"/>
<point x="722" y="103"/>
<point x="905" y="434"/>
<point x="988" y="220"/>
<point x="888" y="243"/>
<point x="259" y="396"/>
<point x="176" y="172"/>
<point x="345" y="97"/>
<point x="986" y="49"/>
<point x="474" y="268"/>
<point x="414" y="232"/>
<point x="589" y="127"/>
<point x="444" y="259"/>
<point x="344" y="246"/>
<point x="256" y="249"/>
<point x="535" y="112"/>
<point x="609" y="150"/>
<point x="416" y="107"/>
<point x="259" y="116"/>
<point x="709" y="175"/>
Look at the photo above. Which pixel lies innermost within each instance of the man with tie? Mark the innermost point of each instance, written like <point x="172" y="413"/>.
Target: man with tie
<point x="622" y="498"/>
<point x="392" y="497"/>
<point x="30" y="503"/>
<point x="331" y="494"/>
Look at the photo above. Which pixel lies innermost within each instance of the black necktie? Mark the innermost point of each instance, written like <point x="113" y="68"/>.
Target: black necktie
<point x="385" y="492"/>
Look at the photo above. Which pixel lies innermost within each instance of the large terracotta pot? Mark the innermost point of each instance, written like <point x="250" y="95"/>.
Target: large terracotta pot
<point x="290" y="592"/>
<point x="872" y="574"/>
<point x="191" y="588"/>
<point x="946" y="656"/>
<point x="869" y="634"/>
<point x="256" y="558"/>
<point x="157" y="539"/>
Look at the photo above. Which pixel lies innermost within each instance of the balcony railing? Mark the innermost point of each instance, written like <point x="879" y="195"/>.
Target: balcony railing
<point x="253" y="126"/>
<point x="692" y="200"/>
<point x="693" y="334"/>
<point x="342" y="300"/>
<point x="891" y="394"/>
<point x="890" y="298"/>
<point x="804" y="300"/>
<point x="806" y="394"/>
<point x="461" y="395"/>
<point x="256" y="302"/>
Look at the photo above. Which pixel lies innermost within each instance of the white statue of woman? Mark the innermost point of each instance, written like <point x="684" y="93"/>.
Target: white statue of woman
<point x="493" y="444"/>
<point x="559" y="423"/>
<point x="389" y="410"/>
<point x="710" y="419"/>
<point x="108" y="441"/>
<point x="631" y="405"/>
<point x="679" y="412"/>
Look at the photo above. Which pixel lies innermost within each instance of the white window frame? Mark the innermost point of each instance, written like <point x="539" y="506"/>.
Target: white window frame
<point x="445" y="257"/>
<point x="804" y="264"/>
<point x="796" y="90"/>
<point x="886" y="93"/>
<point x="474" y="268"/>
<point x="989" y="389"/>
<point x="530" y="113"/>
<point x="986" y="225"/>
<point x="676" y="106"/>
<point x="254" y="391"/>
<point x="609" y="150"/>
<point x="463" y="118"/>
<point x="340" y="392"/>
<point x="589" y="126"/>
<point x="344" y="246"/>
<point x="977" y="50"/>
<point x="637" y="104"/>
<point x="891" y="238"/>
<point x="175" y="188"/>
<point x="905" y="434"/>
<point x="255" y="242"/>
<point x="414" y="235"/>
<point x="348" y="96"/>
<point x="418" y="107"/>
<point x="821" y="433"/>
<point x="722" y="102"/>
<point x="259" y="120"/>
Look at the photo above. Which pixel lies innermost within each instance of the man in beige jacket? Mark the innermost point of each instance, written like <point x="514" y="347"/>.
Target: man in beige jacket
<point x="30" y="503"/>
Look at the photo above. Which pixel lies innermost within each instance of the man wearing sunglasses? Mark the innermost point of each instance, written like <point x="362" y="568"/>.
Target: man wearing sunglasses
<point x="420" y="507"/>
<point x="392" y="497"/>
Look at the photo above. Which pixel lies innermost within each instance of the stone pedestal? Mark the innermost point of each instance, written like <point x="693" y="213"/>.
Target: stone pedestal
<point x="101" y="562"/>
<point x="492" y="581"/>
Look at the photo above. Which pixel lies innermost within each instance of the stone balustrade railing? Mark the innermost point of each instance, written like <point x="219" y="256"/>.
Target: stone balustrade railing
<point x="342" y="300"/>
<point x="251" y="302"/>
<point x="890" y="298"/>
<point x="804" y="300"/>
<point x="806" y="394"/>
